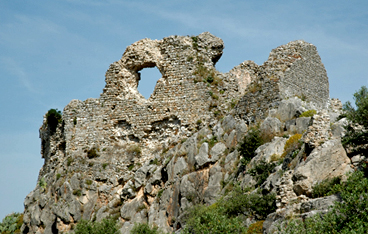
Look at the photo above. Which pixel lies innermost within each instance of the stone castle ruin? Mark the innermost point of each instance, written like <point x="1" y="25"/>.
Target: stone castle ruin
<point x="102" y="151"/>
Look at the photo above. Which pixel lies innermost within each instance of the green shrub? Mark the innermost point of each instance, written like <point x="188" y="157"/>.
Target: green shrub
<point x="250" y="143"/>
<point x="261" y="171"/>
<point x="77" y="192"/>
<point x="134" y="149"/>
<point x="360" y="114"/>
<point x="42" y="183"/>
<point x="356" y="139"/>
<point x="159" y="193"/>
<point x="292" y="144"/>
<point x="211" y="220"/>
<point x="11" y="223"/>
<point x="143" y="228"/>
<point x="53" y="118"/>
<point x="325" y="187"/>
<point x="254" y="204"/>
<point x="308" y="113"/>
<point x="256" y="228"/>
<point x="224" y="215"/>
<point x="209" y="79"/>
<point x="104" y="165"/>
<point x="92" y="153"/>
<point x="348" y="216"/>
<point x="106" y="226"/>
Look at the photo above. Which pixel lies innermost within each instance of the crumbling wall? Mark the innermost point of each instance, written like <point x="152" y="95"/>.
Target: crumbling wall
<point x="292" y="70"/>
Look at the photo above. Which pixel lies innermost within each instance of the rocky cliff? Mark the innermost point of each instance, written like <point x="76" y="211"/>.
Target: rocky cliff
<point x="147" y="160"/>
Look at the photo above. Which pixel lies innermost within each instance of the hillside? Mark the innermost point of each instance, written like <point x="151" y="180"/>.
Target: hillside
<point x="262" y="132"/>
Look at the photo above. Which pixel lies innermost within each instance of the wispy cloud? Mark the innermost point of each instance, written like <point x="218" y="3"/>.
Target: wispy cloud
<point x="14" y="68"/>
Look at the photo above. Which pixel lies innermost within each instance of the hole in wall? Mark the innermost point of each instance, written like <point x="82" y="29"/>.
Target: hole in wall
<point x="148" y="80"/>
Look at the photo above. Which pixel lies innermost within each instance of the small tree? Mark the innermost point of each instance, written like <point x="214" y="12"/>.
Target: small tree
<point x="357" y="115"/>
<point x="53" y="117"/>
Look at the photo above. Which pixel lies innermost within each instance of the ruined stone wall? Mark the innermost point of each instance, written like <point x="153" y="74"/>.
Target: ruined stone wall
<point x="292" y="70"/>
<point x="144" y="160"/>
<point x="181" y="97"/>
<point x="301" y="72"/>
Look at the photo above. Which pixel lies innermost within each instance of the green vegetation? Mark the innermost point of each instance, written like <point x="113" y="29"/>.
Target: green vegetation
<point x="228" y="213"/>
<point x="326" y="187"/>
<point x="293" y="144"/>
<point x="134" y="149"/>
<point x="256" y="228"/>
<point x="250" y="143"/>
<point x="356" y="138"/>
<point x="105" y="226"/>
<point x="159" y="194"/>
<point x="11" y="223"/>
<point x="308" y="113"/>
<point x="42" y="183"/>
<point x="92" y="153"/>
<point x="143" y="228"/>
<point x="69" y="161"/>
<point x="77" y="192"/>
<point x="211" y="142"/>
<point x="104" y="165"/>
<point x="53" y="118"/>
<point x="348" y="216"/>
<point x="261" y="171"/>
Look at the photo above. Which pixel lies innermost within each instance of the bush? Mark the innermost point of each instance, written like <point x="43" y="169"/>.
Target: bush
<point x="106" y="226"/>
<point x="53" y="118"/>
<point x="348" y="216"/>
<point x="143" y="228"/>
<point x="308" y="113"/>
<point x="92" y="153"/>
<point x="11" y="223"/>
<point x="356" y="138"/>
<point x="254" y="204"/>
<point x="256" y="228"/>
<point x="325" y="187"/>
<point x="360" y="114"/>
<point x="212" y="220"/>
<point x="224" y="215"/>
<point x="250" y="143"/>
<point x="261" y="171"/>
<point x="134" y="150"/>
<point x="292" y="144"/>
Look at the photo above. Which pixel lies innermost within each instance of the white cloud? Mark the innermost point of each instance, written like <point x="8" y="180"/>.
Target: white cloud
<point x="14" y="68"/>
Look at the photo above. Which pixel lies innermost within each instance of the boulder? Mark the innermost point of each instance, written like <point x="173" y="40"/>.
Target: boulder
<point x="327" y="161"/>
<point x="271" y="126"/>
<point x="217" y="151"/>
<point x="202" y="158"/>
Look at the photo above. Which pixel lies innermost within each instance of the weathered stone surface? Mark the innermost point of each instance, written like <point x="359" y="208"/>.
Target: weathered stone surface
<point x="180" y="166"/>
<point x="202" y="157"/>
<point x="338" y="129"/>
<point x="127" y="191"/>
<point x="214" y="185"/>
<point x="122" y="152"/>
<point x="266" y="152"/>
<point x="327" y="161"/>
<point x="130" y="209"/>
<point x="319" y="131"/>
<point x="217" y="151"/>
<point x="271" y="126"/>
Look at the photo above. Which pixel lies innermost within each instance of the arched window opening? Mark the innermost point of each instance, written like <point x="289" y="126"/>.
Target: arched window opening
<point x="148" y="80"/>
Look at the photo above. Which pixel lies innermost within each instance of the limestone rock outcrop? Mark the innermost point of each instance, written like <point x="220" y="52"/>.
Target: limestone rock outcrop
<point x="147" y="160"/>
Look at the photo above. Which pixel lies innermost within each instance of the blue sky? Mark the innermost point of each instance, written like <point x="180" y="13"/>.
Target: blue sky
<point x="54" y="51"/>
